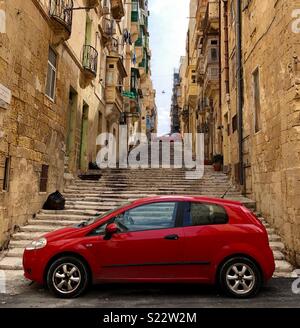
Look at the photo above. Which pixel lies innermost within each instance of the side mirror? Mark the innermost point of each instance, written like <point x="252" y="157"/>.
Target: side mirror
<point x="111" y="229"/>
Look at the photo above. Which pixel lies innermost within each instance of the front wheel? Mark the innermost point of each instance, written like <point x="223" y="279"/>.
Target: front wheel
<point x="240" y="277"/>
<point x="67" y="277"/>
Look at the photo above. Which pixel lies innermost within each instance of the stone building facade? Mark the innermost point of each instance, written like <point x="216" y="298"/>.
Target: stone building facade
<point x="62" y="83"/>
<point x="254" y="104"/>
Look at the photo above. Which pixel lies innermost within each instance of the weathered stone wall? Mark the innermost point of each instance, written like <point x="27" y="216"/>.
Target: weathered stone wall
<point x="34" y="128"/>
<point x="272" y="155"/>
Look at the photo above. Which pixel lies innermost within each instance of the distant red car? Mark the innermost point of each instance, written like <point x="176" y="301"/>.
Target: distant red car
<point x="162" y="239"/>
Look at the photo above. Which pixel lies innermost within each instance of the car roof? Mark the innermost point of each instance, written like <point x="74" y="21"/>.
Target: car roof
<point x="186" y="198"/>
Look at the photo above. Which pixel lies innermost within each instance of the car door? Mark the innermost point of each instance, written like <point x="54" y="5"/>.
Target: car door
<point x="150" y="247"/>
<point x="204" y="227"/>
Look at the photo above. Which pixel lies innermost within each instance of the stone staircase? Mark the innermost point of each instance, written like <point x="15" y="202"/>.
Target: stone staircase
<point x="116" y="187"/>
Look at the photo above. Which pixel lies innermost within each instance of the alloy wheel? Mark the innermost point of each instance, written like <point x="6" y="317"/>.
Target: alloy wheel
<point x="240" y="278"/>
<point x="66" y="278"/>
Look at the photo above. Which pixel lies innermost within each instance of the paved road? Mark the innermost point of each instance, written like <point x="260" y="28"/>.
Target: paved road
<point x="277" y="293"/>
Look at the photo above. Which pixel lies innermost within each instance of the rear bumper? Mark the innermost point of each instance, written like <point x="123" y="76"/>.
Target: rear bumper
<point x="268" y="264"/>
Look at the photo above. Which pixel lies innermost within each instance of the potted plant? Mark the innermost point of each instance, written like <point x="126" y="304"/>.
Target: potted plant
<point x="218" y="162"/>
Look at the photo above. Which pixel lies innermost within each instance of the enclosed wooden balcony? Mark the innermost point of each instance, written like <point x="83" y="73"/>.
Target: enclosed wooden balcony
<point x="117" y="9"/>
<point x="115" y="74"/>
<point x="92" y="3"/>
<point x="90" y="61"/>
<point x="61" y="15"/>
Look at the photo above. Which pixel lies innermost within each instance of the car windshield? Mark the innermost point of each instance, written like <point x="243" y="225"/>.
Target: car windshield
<point x="98" y="218"/>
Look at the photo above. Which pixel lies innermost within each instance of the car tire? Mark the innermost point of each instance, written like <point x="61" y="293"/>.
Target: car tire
<point x="240" y="277"/>
<point x="67" y="277"/>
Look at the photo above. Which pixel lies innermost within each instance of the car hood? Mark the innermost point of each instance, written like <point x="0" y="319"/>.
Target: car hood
<point x="65" y="233"/>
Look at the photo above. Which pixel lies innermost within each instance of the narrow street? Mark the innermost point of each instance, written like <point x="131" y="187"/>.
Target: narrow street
<point x="108" y="104"/>
<point x="276" y="294"/>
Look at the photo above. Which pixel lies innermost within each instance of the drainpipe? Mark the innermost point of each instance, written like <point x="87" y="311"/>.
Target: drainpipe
<point x="240" y="88"/>
<point x="226" y="48"/>
<point x="220" y="78"/>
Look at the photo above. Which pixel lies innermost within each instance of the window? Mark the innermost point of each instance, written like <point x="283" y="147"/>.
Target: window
<point x="214" y="54"/>
<point x="256" y="92"/>
<point x="148" y="217"/>
<point x="6" y="174"/>
<point x="206" y="214"/>
<point x="44" y="178"/>
<point x="51" y="75"/>
<point x="234" y="123"/>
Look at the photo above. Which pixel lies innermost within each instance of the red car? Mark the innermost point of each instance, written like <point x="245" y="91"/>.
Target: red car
<point x="174" y="239"/>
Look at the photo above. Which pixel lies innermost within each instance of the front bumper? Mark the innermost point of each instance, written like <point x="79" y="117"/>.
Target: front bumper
<point x="34" y="266"/>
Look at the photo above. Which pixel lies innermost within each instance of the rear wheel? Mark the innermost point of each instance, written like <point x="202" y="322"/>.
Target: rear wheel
<point x="240" y="277"/>
<point x="67" y="277"/>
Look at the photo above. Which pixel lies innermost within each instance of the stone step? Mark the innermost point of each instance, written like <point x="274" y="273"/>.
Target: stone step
<point x="283" y="266"/>
<point x="78" y="210"/>
<point x="19" y="243"/>
<point x="277" y="246"/>
<point x="28" y="236"/>
<point x="54" y="223"/>
<point x="16" y="252"/>
<point x="42" y="228"/>
<point x="278" y="255"/>
<point x="62" y="216"/>
<point x="11" y="263"/>
<point x="274" y="238"/>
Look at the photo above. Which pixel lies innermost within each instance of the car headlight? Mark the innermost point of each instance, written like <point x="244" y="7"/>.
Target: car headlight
<point x="37" y="244"/>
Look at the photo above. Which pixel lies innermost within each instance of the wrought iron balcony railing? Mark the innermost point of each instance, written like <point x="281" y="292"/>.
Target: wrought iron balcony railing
<point x="90" y="60"/>
<point x="62" y="12"/>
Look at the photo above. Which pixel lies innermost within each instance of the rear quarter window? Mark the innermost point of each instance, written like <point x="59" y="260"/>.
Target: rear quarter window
<point x="206" y="214"/>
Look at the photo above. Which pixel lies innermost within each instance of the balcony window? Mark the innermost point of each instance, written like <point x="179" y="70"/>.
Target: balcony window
<point x="134" y="11"/>
<point x="51" y="75"/>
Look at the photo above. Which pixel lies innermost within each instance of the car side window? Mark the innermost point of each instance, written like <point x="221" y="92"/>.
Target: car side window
<point x="147" y="217"/>
<point x="206" y="214"/>
<point x="150" y="217"/>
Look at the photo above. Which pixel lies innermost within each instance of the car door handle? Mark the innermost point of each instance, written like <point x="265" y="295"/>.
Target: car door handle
<point x="172" y="237"/>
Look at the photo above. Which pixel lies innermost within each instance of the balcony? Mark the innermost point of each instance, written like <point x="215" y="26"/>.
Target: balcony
<point x="107" y="28"/>
<point x="135" y="26"/>
<point x="114" y="47"/>
<point x="61" y="14"/>
<point x="211" y="77"/>
<point x="115" y="74"/>
<point x="90" y="61"/>
<point x="203" y="105"/>
<point x="211" y="18"/>
<point x="117" y="9"/>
